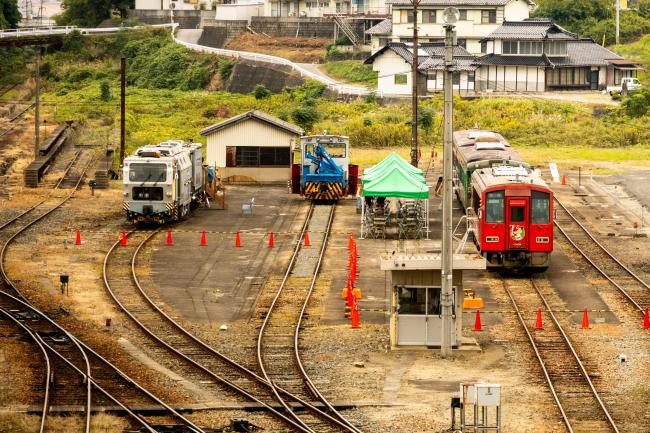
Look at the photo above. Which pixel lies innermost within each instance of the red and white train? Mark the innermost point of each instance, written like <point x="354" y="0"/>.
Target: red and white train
<point x="513" y="203"/>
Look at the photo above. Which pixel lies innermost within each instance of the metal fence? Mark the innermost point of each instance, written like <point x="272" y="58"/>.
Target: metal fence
<point x="65" y="30"/>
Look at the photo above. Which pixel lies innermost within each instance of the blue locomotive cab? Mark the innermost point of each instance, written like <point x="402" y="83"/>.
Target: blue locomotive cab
<point x="325" y="171"/>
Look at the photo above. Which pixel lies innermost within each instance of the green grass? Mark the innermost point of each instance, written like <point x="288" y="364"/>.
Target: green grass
<point x="353" y="71"/>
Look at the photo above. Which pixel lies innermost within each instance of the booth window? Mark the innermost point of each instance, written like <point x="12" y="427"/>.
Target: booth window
<point x="411" y="300"/>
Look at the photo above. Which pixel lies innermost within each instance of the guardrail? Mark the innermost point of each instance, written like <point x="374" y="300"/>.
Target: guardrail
<point x="65" y="30"/>
<point x="266" y="58"/>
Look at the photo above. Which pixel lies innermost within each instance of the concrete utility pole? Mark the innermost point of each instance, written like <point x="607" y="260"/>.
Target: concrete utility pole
<point x="122" y="108"/>
<point x="447" y="294"/>
<point x="37" y="110"/>
<point x="618" y="21"/>
<point x="414" y="92"/>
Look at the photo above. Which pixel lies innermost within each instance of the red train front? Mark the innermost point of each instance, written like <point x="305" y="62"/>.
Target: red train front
<point x="514" y="207"/>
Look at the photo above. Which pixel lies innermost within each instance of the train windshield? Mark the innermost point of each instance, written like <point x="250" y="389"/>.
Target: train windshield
<point x="541" y="208"/>
<point x="147" y="172"/>
<point x="494" y="208"/>
<point x="336" y="150"/>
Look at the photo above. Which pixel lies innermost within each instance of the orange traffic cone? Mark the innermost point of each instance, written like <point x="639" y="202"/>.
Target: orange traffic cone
<point x="77" y="240"/>
<point x="307" y="241"/>
<point x="477" y="322"/>
<point x="356" y="321"/>
<point x="350" y="241"/>
<point x="271" y="241"/>
<point x="646" y="320"/>
<point x="350" y="295"/>
<point x="563" y="180"/>
<point x="237" y="240"/>
<point x="204" y="241"/>
<point x="585" y="320"/>
<point x="170" y="240"/>
<point x="538" y="322"/>
<point x="123" y="241"/>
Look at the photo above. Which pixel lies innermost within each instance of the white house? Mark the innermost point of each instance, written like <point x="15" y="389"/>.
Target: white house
<point x="537" y="55"/>
<point x="252" y="147"/>
<point x="322" y="8"/>
<point x="393" y="64"/>
<point x="478" y="18"/>
<point x="534" y="55"/>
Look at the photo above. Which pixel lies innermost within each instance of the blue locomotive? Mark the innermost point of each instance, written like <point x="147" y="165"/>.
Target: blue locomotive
<point x="324" y="172"/>
<point x="163" y="182"/>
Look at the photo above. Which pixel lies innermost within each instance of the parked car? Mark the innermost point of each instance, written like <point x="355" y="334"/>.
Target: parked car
<point x="631" y="82"/>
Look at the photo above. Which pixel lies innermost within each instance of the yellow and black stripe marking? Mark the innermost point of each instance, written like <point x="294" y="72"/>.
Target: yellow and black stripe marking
<point x="324" y="190"/>
<point x="126" y="206"/>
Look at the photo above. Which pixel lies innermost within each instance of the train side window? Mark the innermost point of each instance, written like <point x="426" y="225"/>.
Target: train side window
<point x="541" y="208"/>
<point x="494" y="207"/>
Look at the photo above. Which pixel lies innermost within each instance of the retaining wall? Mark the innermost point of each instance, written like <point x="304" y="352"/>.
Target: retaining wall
<point x="247" y="74"/>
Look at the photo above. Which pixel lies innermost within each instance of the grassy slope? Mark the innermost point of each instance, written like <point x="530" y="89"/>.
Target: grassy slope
<point x="353" y="71"/>
<point x="638" y="51"/>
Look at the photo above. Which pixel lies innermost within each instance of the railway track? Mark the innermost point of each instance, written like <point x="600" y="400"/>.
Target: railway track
<point x="71" y="368"/>
<point x="12" y="121"/>
<point x="629" y="284"/>
<point x="574" y="393"/>
<point x="278" y="344"/>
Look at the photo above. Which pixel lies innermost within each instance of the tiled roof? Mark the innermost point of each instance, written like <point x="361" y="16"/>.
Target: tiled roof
<point x="383" y="28"/>
<point x="456" y="2"/>
<point x="254" y="114"/>
<point x="497" y="59"/>
<point x="430" y="55"/>
<point x="531" y="29"/>
<point x="585" y="52"/>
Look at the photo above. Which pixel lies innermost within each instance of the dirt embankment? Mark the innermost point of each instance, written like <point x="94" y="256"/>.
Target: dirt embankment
<point x="302" y="50"/>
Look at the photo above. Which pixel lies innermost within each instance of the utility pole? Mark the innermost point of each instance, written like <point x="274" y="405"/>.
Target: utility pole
<point x="122" y="108"/>
<point x="447" y="294"/>
<point x="618" y="21"/>
<point x="37" y="110"/>
<point x="414" y="92"/>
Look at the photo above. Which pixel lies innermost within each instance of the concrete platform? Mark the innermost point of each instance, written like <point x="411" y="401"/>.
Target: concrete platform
<point x="219" y="283"/>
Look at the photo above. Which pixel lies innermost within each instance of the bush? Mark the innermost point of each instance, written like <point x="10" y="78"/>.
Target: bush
<point x="425" y="117"/>
<point x="73" y="42"/>
<point x="637" y="103"/>
<point x="352" y="70"/>
<point x="305" y="116"/>
<point x="225" y="68"/>
<point x="261" y="92"/>
<point x="105" y="91"/>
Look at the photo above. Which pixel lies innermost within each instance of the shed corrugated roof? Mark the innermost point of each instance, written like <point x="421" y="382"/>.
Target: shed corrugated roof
<point x="383" y="28"/>
<point x="254" y="114"/>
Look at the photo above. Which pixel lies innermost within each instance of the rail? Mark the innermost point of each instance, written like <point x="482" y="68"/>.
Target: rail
<point x="627" y="293"/>
<point x="547" y="344"/>
<point x="266" y="58"/>
<point x="341" y="422"/>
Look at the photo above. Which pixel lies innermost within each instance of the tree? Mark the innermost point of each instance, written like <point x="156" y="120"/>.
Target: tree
<point x="89" y="13"/>
<point x="261" y="92"/>
<point x="9" y="14"/>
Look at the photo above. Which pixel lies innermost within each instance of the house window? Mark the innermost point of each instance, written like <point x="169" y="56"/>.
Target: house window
<point x="530" y="47"/>
<point x="383" y="42"/>
<point x="470" y="77"/>
<point x="557" y="48"/>
<point x="509" y="47"/>
<point x="488" y="17"/>
<point x="432" y="76"/>
<point x="312" y="5"/>
<point x="406" y="16"/>
<point x="455" y="78"/>
<point x="428" y="16"/>
<point x="462" y="43"/>
<point x="323" y="4"/>
<point x="484" y="47"/>
<point x="406" y="40"/>
<point x="400" y="79"/>
<point x="253" y="156"/>
<point x="463" y="15"/>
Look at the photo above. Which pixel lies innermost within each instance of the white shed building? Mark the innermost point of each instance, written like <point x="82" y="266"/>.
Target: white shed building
<point x="252" y="147"/>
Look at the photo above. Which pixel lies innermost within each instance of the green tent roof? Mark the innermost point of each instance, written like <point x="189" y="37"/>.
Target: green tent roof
<point x="391" y="160"/>
<point x="396" y="182"/>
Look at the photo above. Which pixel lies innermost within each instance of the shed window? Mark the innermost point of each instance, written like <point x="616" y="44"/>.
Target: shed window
<point x="541" y="208"/>
<point x="400" y="79"/>
<point x="494" y="207"/>
<point x="253" y="156"/>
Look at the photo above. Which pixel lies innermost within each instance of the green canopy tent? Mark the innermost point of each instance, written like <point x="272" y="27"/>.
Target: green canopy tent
<point x="394" y="180"/>
<point x="390" y="161"/>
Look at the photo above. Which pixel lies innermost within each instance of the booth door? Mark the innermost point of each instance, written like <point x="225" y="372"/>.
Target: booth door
<point x="418" y="317"/>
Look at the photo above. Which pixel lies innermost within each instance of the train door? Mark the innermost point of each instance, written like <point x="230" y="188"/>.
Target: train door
<point x="517" y="222"/>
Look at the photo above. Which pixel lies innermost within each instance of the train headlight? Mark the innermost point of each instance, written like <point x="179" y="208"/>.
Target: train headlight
<point x="126" y="194"/>
<point x="169" y="194"/>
